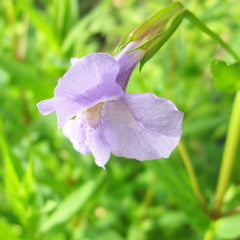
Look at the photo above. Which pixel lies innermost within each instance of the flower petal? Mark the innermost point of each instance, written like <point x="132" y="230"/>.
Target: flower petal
<point x="128" y="61"/>
<point x="86" y="139"/>
<point x="154" y="113"/>
<point x="89" y="81"/>
<point x="74" y="61"/>
<point x="47" y="106"/>
<point x="76" y="131"/>
<point x="98" y="146"/>
<point x="142" y="126"/>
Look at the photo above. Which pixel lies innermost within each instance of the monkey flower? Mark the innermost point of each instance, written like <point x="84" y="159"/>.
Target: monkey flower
<point x="99" y="117"/>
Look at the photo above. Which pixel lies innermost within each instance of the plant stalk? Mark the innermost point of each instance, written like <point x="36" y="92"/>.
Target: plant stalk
<point x="229" y="154"/>
<point x="198" y="23"/>
<point x="192" y="175"/>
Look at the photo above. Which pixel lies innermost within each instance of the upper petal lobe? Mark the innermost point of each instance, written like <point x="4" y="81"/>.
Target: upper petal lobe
<point x="89" y="81"/>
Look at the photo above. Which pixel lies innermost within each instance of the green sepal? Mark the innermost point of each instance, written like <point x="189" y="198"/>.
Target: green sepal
<point x="226" y="77"/>
<point x="152" y="46"/>
<point x="155" y="31"/>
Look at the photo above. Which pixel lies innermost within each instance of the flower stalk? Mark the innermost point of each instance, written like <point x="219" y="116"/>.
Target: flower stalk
<point x="188" y="165"/>
<point x="198" y="23"/>
<point x="229" y="154"/>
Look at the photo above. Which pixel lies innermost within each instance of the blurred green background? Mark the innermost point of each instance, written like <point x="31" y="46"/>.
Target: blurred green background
<point x="50" y="191"/>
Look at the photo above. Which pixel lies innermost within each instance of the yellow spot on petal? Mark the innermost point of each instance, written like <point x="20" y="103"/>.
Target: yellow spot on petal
<point x="93" y="114"/>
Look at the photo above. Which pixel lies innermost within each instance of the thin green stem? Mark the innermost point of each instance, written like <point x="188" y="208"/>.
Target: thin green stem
<point x="11" y="18"/>
<point x="232" y="139"/>
<point x="22" y="39"/>
<point x="232" y="212"/>
<point x="192" y="175"/>
<point x="9" y="11"/>
<point x="198" y="23"/>
<point x="229" y="154"/>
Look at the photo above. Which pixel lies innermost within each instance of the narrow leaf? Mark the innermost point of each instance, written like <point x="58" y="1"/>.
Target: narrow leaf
<point x="198" y="23"/>
<point x="41" y="23"/>
<point x="11" y="179"/>
<point x="175" y="180"/>
<point x="25" y="76"/>
<point x="79" y="29"/>
<point x="12" y="183"/>
<point x="71" y="204"/>
<point x="28" y="181"/>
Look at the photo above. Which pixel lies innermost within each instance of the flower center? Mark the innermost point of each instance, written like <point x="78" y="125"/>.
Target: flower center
<point x="93" y="114"/>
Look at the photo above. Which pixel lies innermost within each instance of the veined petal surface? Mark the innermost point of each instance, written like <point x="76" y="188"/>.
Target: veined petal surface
<point x="76" y="131"/>
<point x="87" y="139"/>
<point x="91" y="79"/>
<point x="127" y="62"/>
<point x="142" y="126"/>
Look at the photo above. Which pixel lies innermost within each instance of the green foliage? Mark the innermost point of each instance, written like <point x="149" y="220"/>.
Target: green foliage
<point x="227" y="77"/>
<point x="41" y="23"/>
<point x="228" y="227"/>
<point x="51" y="192"/>
<point x="180" y="190"/>
<point x="73" y="203"/>
<point x="8" y="231"/>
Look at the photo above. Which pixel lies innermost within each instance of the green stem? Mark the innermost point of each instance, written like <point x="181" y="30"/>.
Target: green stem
<point x="192" y="175"/>
<point x="11" y="18"/>
<point x="22" y="39"/>
<point x="232" y="212"/>
<point x="232" y="139"/>
<point x="9" y="11"/>
<point x="229" y="154"/>
<point x="195" y="21"/>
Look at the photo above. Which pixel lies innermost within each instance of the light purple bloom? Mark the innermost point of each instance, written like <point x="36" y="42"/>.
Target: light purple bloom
<point x="107" y="119"/>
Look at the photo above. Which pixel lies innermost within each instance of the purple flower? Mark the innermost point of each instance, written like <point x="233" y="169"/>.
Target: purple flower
<point x="107" y="119"/>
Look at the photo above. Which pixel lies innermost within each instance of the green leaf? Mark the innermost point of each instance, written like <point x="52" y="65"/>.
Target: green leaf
<point x="228" y="227"/>
<point x="11" y="178"/>
<point x="20" y="193"/>
<point x="71" y="204"/>
<point x="227" y="77"/>
<point x="41" y="24"/>
<point x="198" y="23"/>
<point x="8" y="231"/>
<point x="173" y="176"/>
<point x="27" y="77"/>
<point x="79" y="29"/>
<point x="28" y="185"/>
